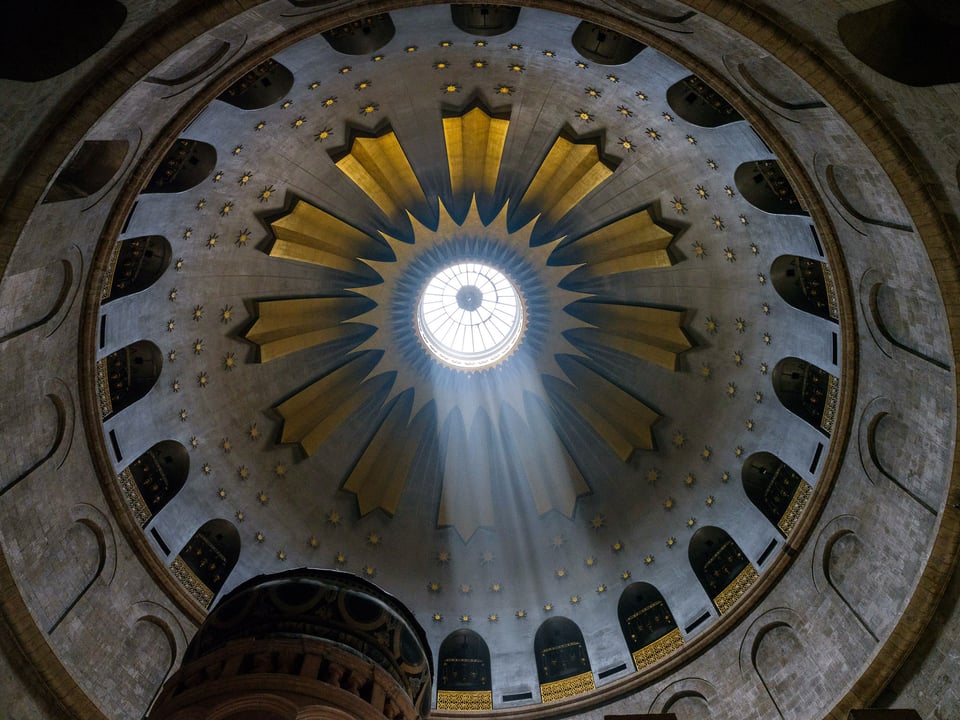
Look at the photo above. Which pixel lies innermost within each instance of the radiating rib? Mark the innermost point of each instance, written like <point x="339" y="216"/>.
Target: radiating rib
<point x="287" y="326"/>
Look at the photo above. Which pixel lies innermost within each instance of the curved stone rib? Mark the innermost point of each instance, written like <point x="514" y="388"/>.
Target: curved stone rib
<point x="288" y="326"/>
<point x="569" y="173"/>
<point x="624" y="423"/>
<point x="380" y="168"/>
<point x="474" y="143"/>
<point x="652" y="334"/>
<point x="634" y="242"/>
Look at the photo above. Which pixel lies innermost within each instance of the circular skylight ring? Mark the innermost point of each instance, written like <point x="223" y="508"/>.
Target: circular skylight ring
<point x="470" y="316"/>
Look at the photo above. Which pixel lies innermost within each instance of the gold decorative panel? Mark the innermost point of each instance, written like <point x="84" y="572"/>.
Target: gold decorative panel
<point x="474" y="149"/>
<point x="569" y="173"/>
<point x="194" y="585"/>
<point x="658" y="649"/>
<point x="652" y="334"/>
<point x="635" y="242"/>
<point x="310" y="235"/>
<point x="830" y="404"/>
<point x="560" y="689"/>
<point x="380" y="168"/>
<point x="287" y="326"/>
<point x="464" y="699"/>
<point x="795" y="509"/>
<point x="833" y="304"/>
<point x="735" y="590"/>
<point x="135" y="501"/>
<point x="111" y="270"/>
<point x="103" y="388"/>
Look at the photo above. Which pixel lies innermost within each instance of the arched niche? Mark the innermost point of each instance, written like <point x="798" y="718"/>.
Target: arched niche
<point x="51" y="289"/>
<point x="186" y="164"/>
<point x="647" y="624"/>
<point x="698" y="103"/>
<point x="484" y="20"/>
<point x="604" y="46"/>
<point x="763" y="184"/>
<point x="807" y="284"/>
<point x="362" y="37"/>
<point x="776" y="489"/>
<point x="808" y="392"/>
<point x="720" y="566"/>
<point x="563" y="666"/>
<point x="90" y="168"/>
<point x="463" y="673"/>
<point x="48" y="37"/>
<point x="261" y="87"/>
<point x="154" y="478"/>
<point x="909" y="41"/>
<point x="204" y="563"/>
<point x="125" y="376"/>
<point x="137" y="263"/>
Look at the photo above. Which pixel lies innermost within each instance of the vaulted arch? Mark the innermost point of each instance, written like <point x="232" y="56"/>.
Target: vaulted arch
<point x="205" y="562"/>
<point x="776" y="489"/>
<point x="186" y="164"/>
<point x="125" y="376"/>
<point x="463" y="673"/>
<point x="807" y="284"/>
<point x="137" y="264"/>
<point x="563" y="666"/>
<point x="154" y="478"/>
<point x="698" y="103"/>
<point x="720" y="566"/>
<point x="808" y="392"/>
<point x="647" y="624"/>
<point x="263" y="86"/>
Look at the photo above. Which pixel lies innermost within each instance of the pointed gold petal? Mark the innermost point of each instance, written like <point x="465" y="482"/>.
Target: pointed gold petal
<point x="635" y="242"/>
<point x="652" y="334"/>
<point x="287" y="326"/>
<point x="474" y="144"/>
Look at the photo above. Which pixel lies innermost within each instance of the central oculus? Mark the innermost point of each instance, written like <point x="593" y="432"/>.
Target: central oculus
<point x="470" y="316"/>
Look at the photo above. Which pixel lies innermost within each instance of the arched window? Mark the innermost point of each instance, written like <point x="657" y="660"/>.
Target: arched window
<point x="92" y="167"/>
<point x="463" y="673"/>
<point x="48" y="37"/>
<point x="562" y="663"/>
<point x="763" y="184"/>
<point x="151" y="481"/>
<point x="720" y="566"/>
<point x="776" y="489"/>
<point x="807" y="391"/>
<point x="362" y="37"/>
<point x="698" y="103"/>
<point x="261" y="87"/>
<point x="207" y="559"/>
<point x="137" y="264"/>
<point x="647" y="624"/>
<point x="484" y="20"/>
<point x="186" y="164"/>
<point x="806" y="284"/>
<point x="910" y="41"/>
<point x="125" y="376"/>
<point x="603" y="46"/>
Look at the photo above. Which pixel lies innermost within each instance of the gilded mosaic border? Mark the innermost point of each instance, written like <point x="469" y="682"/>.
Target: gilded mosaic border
<point x="833" y="303"/>
<point x="568" y="687"/>
<point x="135" y="501"/>
<point x="795" y="509"/>
<point x="103" y="389"/>
<point x="830" y="405"/>
<point x="464" y="700"/>
<point x="107" y="287"/>
<point x="658" y="649"/>
<point x="734" y="591"/>
<point x="194" y="585"/>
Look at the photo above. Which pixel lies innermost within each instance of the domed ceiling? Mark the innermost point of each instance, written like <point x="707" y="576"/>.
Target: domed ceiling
<point x="659" y="411"/>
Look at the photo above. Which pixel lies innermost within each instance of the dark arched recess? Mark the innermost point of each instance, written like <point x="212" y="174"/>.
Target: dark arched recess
<point x="463" y="673"/>
<point x="154" y="478"/>
<point x="137" y="264"/>
<point x="125" y="376"/>
<point x="698" y="103"/>
<point x="808" y="392"/>
<point x="776" y="489"/>
<point x="563" y="666"/>
<point x="763" y="184"/>
<point x="720" y="566"/>
<point x="807" y="284"/>
<point x="207" y="559"/>
<point x="186" y="164"/>
<point x="647" y="624"/>
<point x="89" y="170"/>
<point x="362" y="37"/>
<point x="484" y="20"/>
<point x="261" y="87"/>
<point x="603" y="46"/>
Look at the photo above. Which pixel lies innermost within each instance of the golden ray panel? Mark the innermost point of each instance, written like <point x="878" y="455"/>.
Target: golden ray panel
<point x="545" y="376"/>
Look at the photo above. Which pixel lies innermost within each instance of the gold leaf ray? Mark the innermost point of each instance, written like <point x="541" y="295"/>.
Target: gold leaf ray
<point x="474" y="143"/>
<point x="381" y="169"/>
<point x="311" y="235"/>
<point x="288" y="326"/>
<point x="466" y="500"/>
<point x="382" y="471"/>
<point x="569" y="173"/>
<point x="314" y="413"/>
<point x="652" y="334"/>
<point x="635" y="242"/>
<point x="624" y="423"/>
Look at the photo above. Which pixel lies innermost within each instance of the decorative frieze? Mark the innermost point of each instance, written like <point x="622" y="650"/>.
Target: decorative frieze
<point x="658" y="649"/>
<point x="194" y="585"/>
<point x="103" y="389"/>
<point x="795" y="509"/>
<point x="735" y="590"/>
<point x="568" y="687"/>
<point x="830" y="404"/>
<point x="464" y="700"/>
<point x="135" y="501"/>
